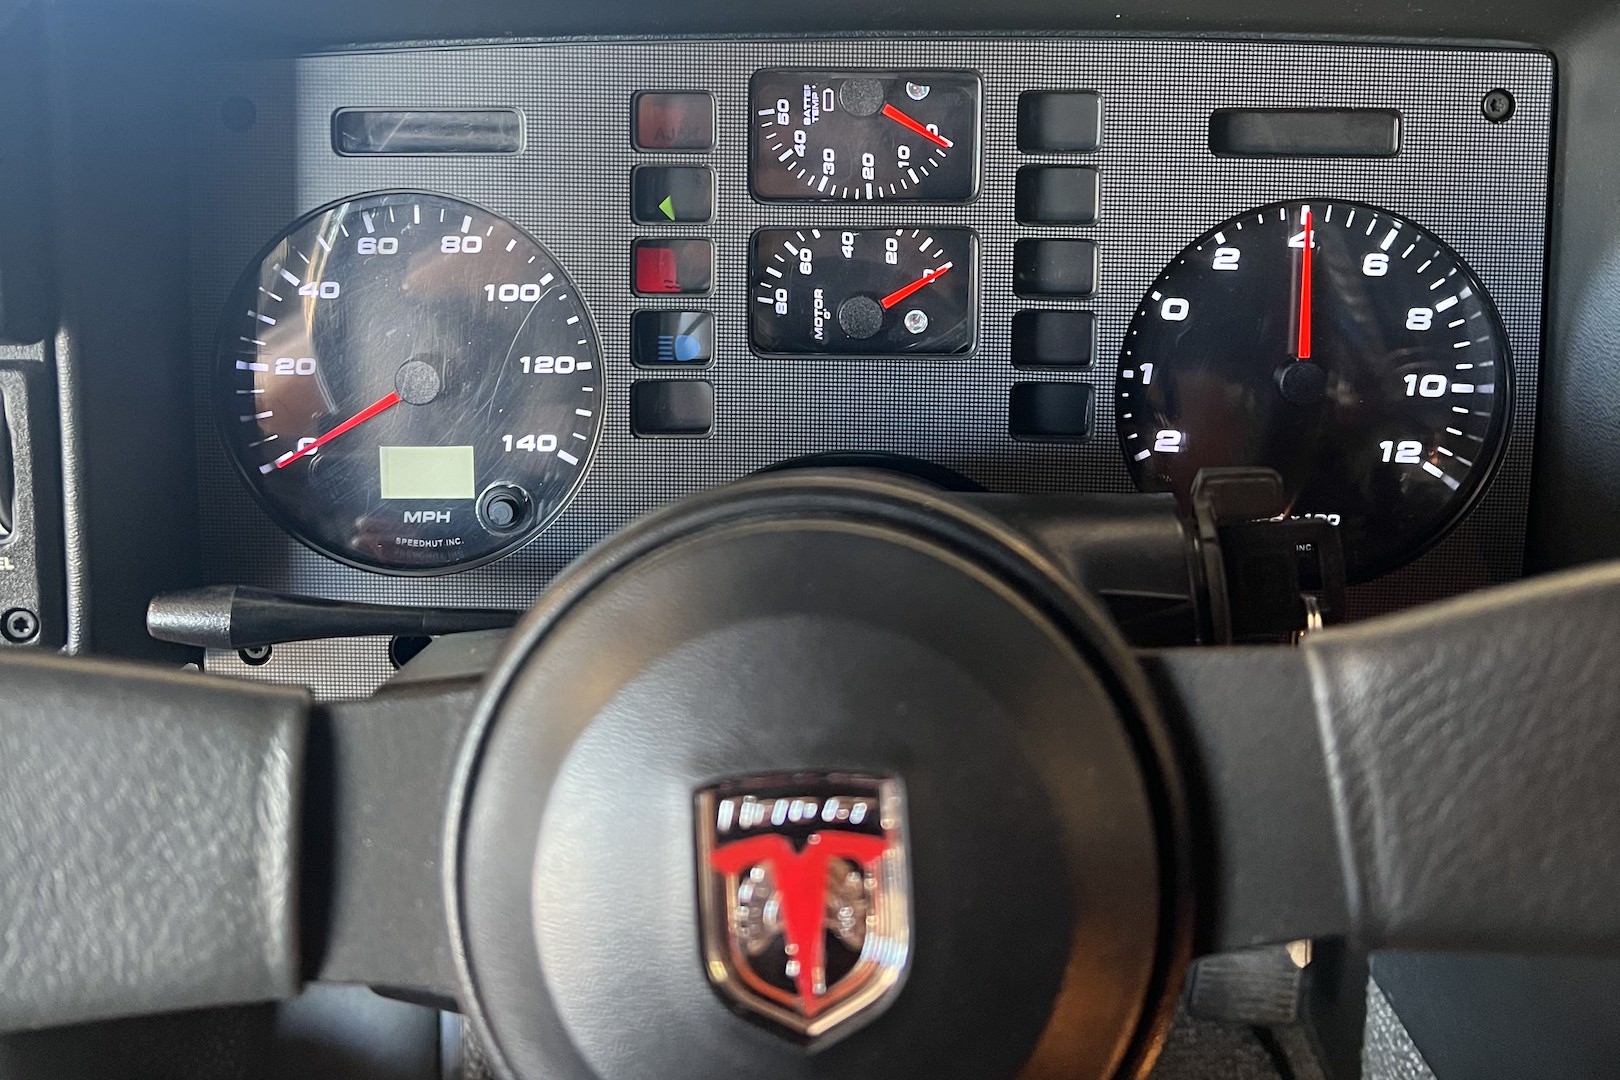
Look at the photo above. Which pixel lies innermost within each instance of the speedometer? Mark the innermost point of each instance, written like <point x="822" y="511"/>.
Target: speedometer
<point x="408" y="383"/>
<point x="1340" y="344"/>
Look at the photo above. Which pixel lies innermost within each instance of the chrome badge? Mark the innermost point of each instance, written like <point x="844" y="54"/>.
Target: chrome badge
<point x="805" y="897"/>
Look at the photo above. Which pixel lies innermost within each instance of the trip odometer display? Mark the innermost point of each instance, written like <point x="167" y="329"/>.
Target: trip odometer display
<point x="860" y="136"/>
<point x="408" y="383"/>
<point x="1337" y="343"/>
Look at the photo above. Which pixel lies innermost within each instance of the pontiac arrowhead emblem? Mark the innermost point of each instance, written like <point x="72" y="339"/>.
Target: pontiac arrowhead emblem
<point x="805" y="897"/>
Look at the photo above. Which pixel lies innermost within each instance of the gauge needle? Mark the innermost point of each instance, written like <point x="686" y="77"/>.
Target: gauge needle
<point x="908" y="122"/>
<point x="352" y="422"/>
<point x="1303" y="345"/>
<point x="906" y="290"/>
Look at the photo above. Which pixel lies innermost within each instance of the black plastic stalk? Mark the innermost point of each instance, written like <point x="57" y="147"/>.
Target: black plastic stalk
<point x="238" y="617"/>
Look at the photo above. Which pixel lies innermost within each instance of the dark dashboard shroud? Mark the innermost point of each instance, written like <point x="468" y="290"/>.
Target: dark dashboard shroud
<point x="1482" y="187"/>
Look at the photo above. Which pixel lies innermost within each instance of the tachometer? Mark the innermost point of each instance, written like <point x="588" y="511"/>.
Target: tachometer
<point x="854" y="136"/>
<point x="1340" y="344"/>
<point x="408" y="383"/>
<point x="863" y="292"/>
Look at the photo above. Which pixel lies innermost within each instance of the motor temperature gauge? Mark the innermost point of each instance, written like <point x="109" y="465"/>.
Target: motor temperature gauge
<point x="864" y="292"/>
<point x="857" y="136"/>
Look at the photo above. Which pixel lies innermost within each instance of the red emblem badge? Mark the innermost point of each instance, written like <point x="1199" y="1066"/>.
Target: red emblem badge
<point x="805" y="897"/>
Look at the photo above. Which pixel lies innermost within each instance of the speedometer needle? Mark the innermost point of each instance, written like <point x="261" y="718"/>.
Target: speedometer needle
<point x="348" y="425"/>
<point x="907" y="122"/>
<point x="1303" y="345"/>
<point x="904" y="291"/>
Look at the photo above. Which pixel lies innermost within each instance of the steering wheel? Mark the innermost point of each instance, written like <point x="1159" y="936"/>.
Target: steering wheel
<point x="819" y="774"/>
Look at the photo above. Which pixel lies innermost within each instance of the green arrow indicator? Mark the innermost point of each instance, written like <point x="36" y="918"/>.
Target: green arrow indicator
<point x="668" y="207"/>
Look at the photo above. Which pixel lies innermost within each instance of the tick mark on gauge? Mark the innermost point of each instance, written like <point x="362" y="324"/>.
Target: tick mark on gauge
<point x="510" y="244"/>
<point x="291" y="278"/>
<point x="566" y="456"/>
<point x="1144" y="455"/>
<point x="371" y="226"/>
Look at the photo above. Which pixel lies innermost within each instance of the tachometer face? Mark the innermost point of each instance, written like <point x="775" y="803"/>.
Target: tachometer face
<point x="863" y="292"/>
<point x="1337" y="343"/>
<point x="409" y="383"/>
<point x="856" y="136"/>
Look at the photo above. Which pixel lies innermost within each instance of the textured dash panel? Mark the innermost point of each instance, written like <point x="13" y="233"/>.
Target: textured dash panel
<point x="1481" y="187"/>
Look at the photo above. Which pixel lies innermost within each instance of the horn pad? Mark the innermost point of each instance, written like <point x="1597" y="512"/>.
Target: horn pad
<point x="818" y="775"/>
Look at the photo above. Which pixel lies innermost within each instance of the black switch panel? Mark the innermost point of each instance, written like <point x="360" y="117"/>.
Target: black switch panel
<point x="1054" y="339"/>
<point x="671" y="407"/>
<point x="1066" y="268"/>
<point x="1050" y="411"/>
<point x="1057" y="195"/>
<point x="1059" y="121"/>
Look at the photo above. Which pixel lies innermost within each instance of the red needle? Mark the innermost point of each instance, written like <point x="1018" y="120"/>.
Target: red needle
<point x="352" y="422"/>
<point x="907" y="122"/>
<point x="1303" y="346"/>
<point x="906" y="290"/>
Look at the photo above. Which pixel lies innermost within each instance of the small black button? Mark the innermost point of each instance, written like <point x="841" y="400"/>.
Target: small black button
<point x="671" y="267"/>
<point x="1055" y="268"/>
<point x="671" y="407"/>
<point x="1054" y="339"/>
<point x="503" y="508"/>
<point x="665" y="194"/>
<point x="682" y="120"/>
<point x="1057" y="195"/>
<point x="1050" y="411"/>
<point x="661" y="338"/>
<point x="1059" y="121"/>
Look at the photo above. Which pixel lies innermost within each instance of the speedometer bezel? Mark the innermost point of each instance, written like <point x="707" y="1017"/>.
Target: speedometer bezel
<point x="242" y="288"/>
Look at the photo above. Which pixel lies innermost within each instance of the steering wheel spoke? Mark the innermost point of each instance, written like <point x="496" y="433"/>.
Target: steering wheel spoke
<point x="1439" y="779"/>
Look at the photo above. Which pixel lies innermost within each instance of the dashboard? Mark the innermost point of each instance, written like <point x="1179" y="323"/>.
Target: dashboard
<point x="459" y="313"/>
<point x="171" y="148"/>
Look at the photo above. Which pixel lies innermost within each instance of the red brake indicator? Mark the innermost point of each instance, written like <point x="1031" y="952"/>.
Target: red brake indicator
<point x="1302" y="348"/>
<point x="904" y="291"/>
<point x="908" y="122"/>
<point x="348" y="425"/>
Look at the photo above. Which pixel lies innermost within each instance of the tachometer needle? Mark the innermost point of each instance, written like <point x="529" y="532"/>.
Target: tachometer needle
<point x="352" y="422"/>
<point x="904" y="291"/>
<point x="907" y="122"/>
<point x="1303" y="345"/>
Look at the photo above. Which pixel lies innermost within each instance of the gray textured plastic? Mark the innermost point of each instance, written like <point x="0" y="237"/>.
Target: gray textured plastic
<point x="1481" y="187"/>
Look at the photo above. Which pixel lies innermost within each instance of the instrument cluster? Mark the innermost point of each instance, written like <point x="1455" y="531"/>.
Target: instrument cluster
<point x="525" y="309"/>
